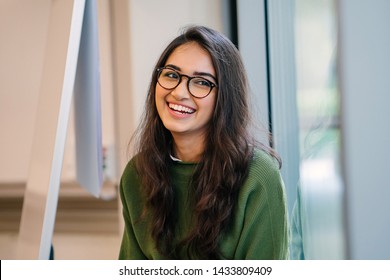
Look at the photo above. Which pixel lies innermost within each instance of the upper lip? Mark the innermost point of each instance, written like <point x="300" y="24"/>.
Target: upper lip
<point x="181" y="107"/>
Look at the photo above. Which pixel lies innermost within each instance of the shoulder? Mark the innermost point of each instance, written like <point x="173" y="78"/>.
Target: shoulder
<point x="130" y="169"/>
<point x="130" y="178"/>
<point x="263" y="165"/>
<point x="263" y="176"/>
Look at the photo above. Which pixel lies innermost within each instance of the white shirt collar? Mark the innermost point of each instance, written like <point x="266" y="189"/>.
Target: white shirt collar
<point x="174" y="159"/>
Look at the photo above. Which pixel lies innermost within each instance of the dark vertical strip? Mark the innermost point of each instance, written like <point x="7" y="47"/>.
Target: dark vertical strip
<point x="233" y="22"/>
<point x="268" y="65"/>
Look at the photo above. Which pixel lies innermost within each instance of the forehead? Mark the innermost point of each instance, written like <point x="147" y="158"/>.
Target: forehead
<point x="191" y="57"/>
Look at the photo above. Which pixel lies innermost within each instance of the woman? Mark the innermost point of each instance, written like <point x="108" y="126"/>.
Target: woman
<point x="199" y="187"/>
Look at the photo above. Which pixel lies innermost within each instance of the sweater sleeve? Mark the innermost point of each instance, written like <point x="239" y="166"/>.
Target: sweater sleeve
<point x="264" y="232"/>
<point x="130" y="248"/>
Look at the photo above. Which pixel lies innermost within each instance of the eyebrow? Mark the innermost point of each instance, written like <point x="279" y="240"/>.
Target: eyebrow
<point x="195" y="73"/>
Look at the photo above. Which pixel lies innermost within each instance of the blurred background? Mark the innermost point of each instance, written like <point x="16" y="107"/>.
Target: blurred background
<point x="319" y="81"/>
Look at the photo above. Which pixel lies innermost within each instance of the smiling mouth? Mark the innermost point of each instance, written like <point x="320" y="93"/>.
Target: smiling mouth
<point x="181" y="109"/>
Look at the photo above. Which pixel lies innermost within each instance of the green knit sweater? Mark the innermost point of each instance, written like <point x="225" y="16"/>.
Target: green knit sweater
<point x="259" y="229"/>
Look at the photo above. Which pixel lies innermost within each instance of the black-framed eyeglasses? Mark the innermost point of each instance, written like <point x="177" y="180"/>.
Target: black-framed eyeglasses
<point x="198" y="87"/>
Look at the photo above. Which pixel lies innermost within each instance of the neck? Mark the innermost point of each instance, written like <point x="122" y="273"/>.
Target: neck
<point x="188" y="149"/>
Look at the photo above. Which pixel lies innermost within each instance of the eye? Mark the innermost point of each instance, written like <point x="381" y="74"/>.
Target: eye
<point x="170" y="74"/>
<point x="200" y="82"/>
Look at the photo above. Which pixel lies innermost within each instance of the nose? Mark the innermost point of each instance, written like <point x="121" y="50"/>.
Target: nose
<point x="181" y="91"/>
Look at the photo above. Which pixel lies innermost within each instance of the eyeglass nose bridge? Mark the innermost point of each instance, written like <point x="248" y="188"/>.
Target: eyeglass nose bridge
<point x="188" y="81"/>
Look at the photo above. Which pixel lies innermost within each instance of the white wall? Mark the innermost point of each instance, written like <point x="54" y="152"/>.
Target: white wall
<point x="23" y="27"/>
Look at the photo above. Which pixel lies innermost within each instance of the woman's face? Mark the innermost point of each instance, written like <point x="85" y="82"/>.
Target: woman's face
<point x="180" y="112"/>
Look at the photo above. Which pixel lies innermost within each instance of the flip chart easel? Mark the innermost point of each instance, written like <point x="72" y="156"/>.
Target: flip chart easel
<point x="71" y="67"/>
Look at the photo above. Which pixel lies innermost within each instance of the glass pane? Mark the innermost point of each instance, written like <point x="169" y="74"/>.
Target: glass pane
<point x="318" y="217"/>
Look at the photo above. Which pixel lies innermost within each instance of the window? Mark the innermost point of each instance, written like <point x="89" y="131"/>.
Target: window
<point x="320" y="186"/>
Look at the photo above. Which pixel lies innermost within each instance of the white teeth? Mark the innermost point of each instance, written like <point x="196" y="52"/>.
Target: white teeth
<point x="181" y="108"/>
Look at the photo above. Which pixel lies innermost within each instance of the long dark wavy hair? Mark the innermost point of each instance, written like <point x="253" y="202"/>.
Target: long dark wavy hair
<point x="224" y="163"/>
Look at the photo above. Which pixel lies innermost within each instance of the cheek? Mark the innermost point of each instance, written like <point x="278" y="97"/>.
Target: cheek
<point x="158" y="99"/>
<point x="209" y="107"/>
<point x="160" y="93"/>
<point x="159" y="96"/>
<point x="157" y="92"/>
